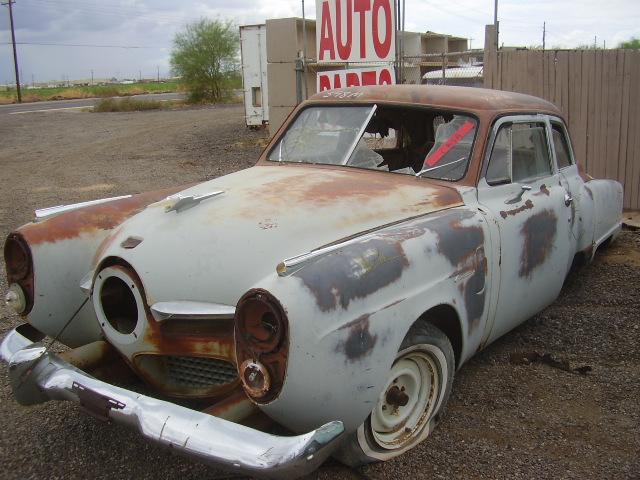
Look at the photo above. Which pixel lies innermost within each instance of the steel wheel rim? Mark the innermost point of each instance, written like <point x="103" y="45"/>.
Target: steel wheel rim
<point x="416" y="375"/>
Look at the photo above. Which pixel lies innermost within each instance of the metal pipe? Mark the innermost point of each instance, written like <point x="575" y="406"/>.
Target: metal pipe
<point x="304" y="51"/>
<point x="299" y="80"/>
<point x="403" y="79"/>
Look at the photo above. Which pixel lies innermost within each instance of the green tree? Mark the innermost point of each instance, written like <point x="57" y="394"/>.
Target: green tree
<point x="632" y="44"/>
<point x="205" y="54"/>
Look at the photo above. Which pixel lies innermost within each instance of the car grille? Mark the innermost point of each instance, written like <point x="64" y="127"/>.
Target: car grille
<point x="196" y="372"/>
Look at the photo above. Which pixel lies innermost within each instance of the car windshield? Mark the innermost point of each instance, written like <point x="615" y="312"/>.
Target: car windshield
<point x="322" y="135"/>
<point x="407" y="140"/>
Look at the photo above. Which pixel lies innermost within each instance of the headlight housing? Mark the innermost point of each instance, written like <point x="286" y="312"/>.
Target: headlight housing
<point x="19" y="265"/>
<point x="262" y="344"/>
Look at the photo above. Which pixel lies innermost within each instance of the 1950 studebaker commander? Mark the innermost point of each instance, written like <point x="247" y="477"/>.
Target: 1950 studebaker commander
<point x="385" y="235"/>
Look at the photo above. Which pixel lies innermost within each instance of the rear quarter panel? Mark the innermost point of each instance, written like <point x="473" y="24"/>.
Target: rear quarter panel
<point x="607" y="208"/>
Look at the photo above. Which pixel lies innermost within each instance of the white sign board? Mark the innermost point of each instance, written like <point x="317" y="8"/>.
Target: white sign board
<point x="354" y="77"/>
<point x="355" y="31"/>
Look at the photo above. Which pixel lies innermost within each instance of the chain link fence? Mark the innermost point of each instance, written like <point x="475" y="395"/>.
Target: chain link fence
<point x="455" y="68"/>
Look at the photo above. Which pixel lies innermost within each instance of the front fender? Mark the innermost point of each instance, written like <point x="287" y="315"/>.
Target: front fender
<point x="62" y="249"/>
<point x="350" y="308"/>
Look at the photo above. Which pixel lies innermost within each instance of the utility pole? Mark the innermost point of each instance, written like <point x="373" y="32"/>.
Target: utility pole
<point x="544" y="34"/>
<point x="595" y="42"/>
<point x="92" y="77"/>
<point x="15" y="53"/>
<point x="158" y="67"/>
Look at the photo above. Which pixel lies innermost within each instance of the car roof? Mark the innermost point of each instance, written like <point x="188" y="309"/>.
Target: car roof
<point x="456" y="98"/>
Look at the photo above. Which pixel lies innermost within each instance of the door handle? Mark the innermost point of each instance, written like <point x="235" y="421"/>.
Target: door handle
<point x="518" y="198"/>
<point x="567" y="199"/>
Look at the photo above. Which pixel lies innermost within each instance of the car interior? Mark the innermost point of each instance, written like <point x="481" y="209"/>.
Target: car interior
<point x="435" y="143"/>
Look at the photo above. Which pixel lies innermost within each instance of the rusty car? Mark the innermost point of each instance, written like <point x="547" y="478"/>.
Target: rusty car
<point x="385" y="235"/>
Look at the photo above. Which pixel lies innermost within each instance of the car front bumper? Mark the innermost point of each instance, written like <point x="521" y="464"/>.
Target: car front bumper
<point x="37" y="375"/>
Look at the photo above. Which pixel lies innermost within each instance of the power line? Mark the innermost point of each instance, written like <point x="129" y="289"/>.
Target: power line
<point x="51" y="44"/>
<point x="118" y="11"/>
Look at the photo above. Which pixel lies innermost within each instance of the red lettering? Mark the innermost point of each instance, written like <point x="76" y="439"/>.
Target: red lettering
<point x="336" y="81"/>
<point x="385" y="78"/>
<point x="326" y="33"/>
<point x="382" y="48"/>
<point x="353" y="80"/>
<point x="361" y="7"/>
<point x="344" y="50"/>
<point x="325" y="84"/>
<point x="369" y="78"/>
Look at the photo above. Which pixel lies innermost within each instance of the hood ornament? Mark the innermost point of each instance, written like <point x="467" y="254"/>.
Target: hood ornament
<point x="187" y="201"/>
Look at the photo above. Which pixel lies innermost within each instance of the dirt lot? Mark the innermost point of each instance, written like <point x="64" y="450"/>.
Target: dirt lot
<point x="506" y="418"/>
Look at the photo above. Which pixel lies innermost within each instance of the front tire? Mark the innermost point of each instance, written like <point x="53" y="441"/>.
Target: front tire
<point x="411" y="403"/>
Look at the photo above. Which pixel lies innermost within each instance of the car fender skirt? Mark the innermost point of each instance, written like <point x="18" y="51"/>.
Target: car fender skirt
<point x="38" y="376"/>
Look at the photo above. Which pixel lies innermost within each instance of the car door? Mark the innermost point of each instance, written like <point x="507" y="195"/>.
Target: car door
<point x="580" y="202"/>
<point x="523" y="195"/>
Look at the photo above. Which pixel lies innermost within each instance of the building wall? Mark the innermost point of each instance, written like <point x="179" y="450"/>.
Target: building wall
<point x="285" y="44"/>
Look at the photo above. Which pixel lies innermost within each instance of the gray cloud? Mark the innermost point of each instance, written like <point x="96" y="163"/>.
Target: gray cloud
<point x="153" y="23"/>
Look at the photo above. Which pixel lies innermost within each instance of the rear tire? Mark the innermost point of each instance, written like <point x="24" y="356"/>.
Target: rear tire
<point x="411" y="403"/>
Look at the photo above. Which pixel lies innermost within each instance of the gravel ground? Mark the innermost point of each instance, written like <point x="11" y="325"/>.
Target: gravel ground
<point x="507" y="418"/>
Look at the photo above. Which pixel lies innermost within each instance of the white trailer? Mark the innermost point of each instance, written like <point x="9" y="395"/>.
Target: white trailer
<point x="253" y="50"/>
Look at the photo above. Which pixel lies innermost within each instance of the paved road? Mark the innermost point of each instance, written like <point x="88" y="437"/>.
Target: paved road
<point x="79" y="103"/>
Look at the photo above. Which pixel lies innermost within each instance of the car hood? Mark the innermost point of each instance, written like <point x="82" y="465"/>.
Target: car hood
<point x="223" y="245"/>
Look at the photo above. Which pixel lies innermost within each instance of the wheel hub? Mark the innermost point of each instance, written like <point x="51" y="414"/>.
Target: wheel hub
<point x="396" y="397"/>
<point x="407" y="401"/>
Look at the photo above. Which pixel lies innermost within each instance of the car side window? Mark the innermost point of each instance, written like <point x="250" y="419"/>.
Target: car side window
<point x="530" y="155"/>
<point x="519" y="154"/>
<point x="499" y="170"/>
<point x="561" y="146"/>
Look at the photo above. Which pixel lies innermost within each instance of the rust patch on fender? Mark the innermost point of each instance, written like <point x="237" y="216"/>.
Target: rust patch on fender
<point x="354" y="271"/>
<point x="539" y="232"/>
<point x="528" y="205"/>
<point x="359" y="342"/>
<point x="101" y="217"/>
<point x="463" y="247"/>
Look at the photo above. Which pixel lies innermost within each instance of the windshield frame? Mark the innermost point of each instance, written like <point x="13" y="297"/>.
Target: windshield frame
<point x="275" y="141"/>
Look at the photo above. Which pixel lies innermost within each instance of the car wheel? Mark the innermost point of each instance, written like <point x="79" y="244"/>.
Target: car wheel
<point x="411" y="403"/>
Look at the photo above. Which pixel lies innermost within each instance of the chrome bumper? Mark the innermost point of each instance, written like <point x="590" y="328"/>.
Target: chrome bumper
<point x="38" y="376"/>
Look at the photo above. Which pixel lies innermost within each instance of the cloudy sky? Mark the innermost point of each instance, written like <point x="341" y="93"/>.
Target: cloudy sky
<point x="152" y="24"/>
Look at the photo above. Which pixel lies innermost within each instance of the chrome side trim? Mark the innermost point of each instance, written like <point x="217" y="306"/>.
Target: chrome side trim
<point x="50" y="211"/>
<point x="291" y="265"/>
<point x="38" y="376"/>
<point x="162" y="311"/>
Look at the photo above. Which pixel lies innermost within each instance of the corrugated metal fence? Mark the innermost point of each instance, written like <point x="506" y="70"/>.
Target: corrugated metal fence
<point x="598" y="92"/>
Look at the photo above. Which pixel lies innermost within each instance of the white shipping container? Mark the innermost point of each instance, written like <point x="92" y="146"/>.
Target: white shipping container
<point x="253" y="50"/>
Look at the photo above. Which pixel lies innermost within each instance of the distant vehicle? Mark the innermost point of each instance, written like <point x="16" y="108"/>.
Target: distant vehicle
<point x="385" y="236"/>
<point x="461" y="76"/>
